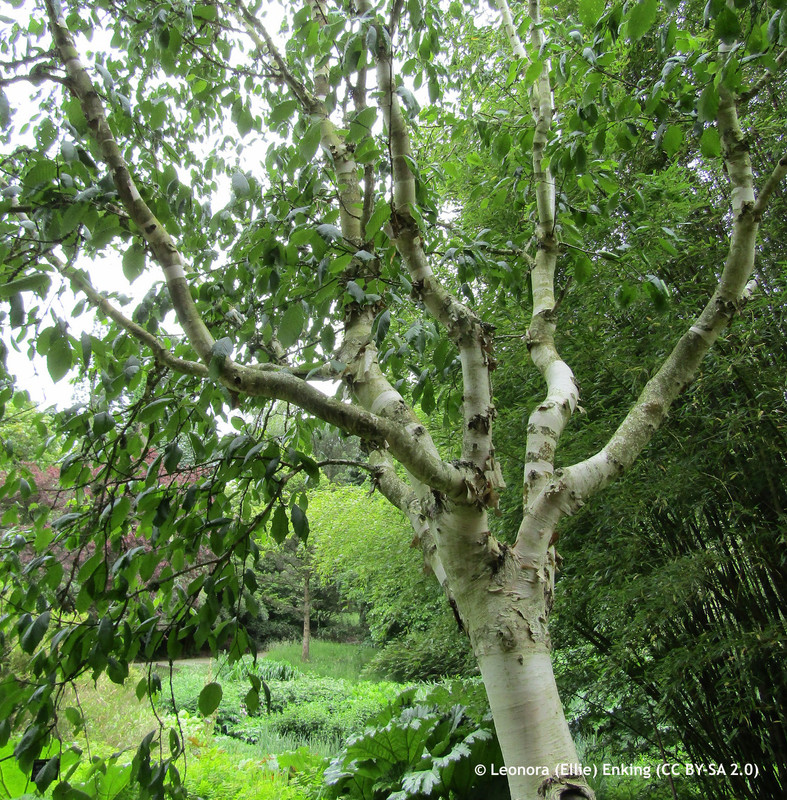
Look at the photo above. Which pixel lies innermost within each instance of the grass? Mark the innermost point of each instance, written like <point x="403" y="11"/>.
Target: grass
<point x="327" y="659"/>
<point x="114" y="717"/>
<point x="279" y="765"/>
<point x="216" y="767"/>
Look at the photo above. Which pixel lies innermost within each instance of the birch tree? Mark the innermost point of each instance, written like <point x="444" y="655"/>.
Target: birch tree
<point x="335" y="259"/>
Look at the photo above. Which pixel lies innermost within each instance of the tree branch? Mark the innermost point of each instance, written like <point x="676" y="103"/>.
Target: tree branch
<point x="548" y="420"/>
<point x="263" y="40"/>
<point x="472" y="337"/>
<point x="679" y="369"/>
<point x="160" y="353"/>
<point x="402" y="442"/>
<point x="36" y="78"/>
<point x="751" y="93"/>
<point x="275" y="384"/>
<point x="161" y="244"/>
<point x="397" y="492"/>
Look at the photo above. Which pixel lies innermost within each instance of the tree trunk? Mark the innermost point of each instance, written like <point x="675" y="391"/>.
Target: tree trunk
<point x="307" y="607"/>
<point x="504" y="601"/>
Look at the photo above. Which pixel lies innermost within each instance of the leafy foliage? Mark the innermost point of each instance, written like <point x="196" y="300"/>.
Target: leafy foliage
<point x="362" y="543"/>
<point x="426" y="743"/>
<point x="296" y="706"/>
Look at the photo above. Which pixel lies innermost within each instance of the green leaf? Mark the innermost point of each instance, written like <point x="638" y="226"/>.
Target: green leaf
<point x="30" y="283"/>
<point x="34" y="633"/>
<point x="252" y="701"/>
<point x="380" y="215"/>
<point x="427" y="398"/>
<point x="279" y="526"/>
<point x="220" y="352"/>
<point x="355" y="291"/>
<point x="69" y="151"/>
<point x="174" y="743"/>
<point x="209" y="699"/>
<point x="642" y="16"/>
<point x="17" y="312"/>
<point x="710" y="144"/>
<point x="172" y="457"/>
<point x="58" y="358"/>
<point x="120" y="510"/>
<point x="583" y="268"/>
<point x="103" y="422"/>
<point x="65" y="791"/>
<point x="155" y="410"/>
<point x="672" y="140"/>
<point x="206" y="11"/>
<point x="658" y="291"/>
<point x="310" y="141"/>
<point x="502" y="145"/>
<point x="330" y="233"/>
<point x="157" y="116"/>
<point x="283" y="111"/>
<point x="291" y="325"/>
<point x="29" y="746"/>
<point x="245" y="122"/>
<point x="300" y="523"/>
<point x="383" y="323"/>
<point x="625" y="295"/>
<point x="728" y="27"/>
<point x="40" y="173"/>
<point x="106" y="634"/>
<point x="533" y="72"/>
<point x="590" y="12"/>
<point x="240" y="185"/>
<point x="708" y="104"/>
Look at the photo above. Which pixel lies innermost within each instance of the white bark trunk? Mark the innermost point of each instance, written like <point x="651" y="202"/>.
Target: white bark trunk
<point x="504" y="602"/>
<point x="531" y="727"/>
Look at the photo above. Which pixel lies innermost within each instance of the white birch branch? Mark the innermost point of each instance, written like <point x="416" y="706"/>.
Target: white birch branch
<point x="549" y="418"/>
<point x="472" y="337"/>
<point x="680" y="367"/>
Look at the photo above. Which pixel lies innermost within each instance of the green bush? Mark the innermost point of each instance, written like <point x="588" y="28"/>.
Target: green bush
<point x="299" y="708"/>
<point x="187" y="683"/>
<point x="426" y="743"/>
<point x="310" y="709"/>
<point x="213" y="774"/>
<point x="265" y="669"/>
<point x="439" y="651"/>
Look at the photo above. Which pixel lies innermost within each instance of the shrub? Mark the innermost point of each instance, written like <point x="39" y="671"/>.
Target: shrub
<point x="265" y="669"/>
<point x="214" y="774"/>
<point x="438" y="652"/>
<point x="426" y="743"/>
<point x="299" y="708"/>
<point x="311" y="708"/>
<point x="187" y="683"/>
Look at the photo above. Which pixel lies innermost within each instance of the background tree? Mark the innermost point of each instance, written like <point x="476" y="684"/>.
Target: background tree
<point x="358" y="546"/>
<point x="337" y="266"/>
